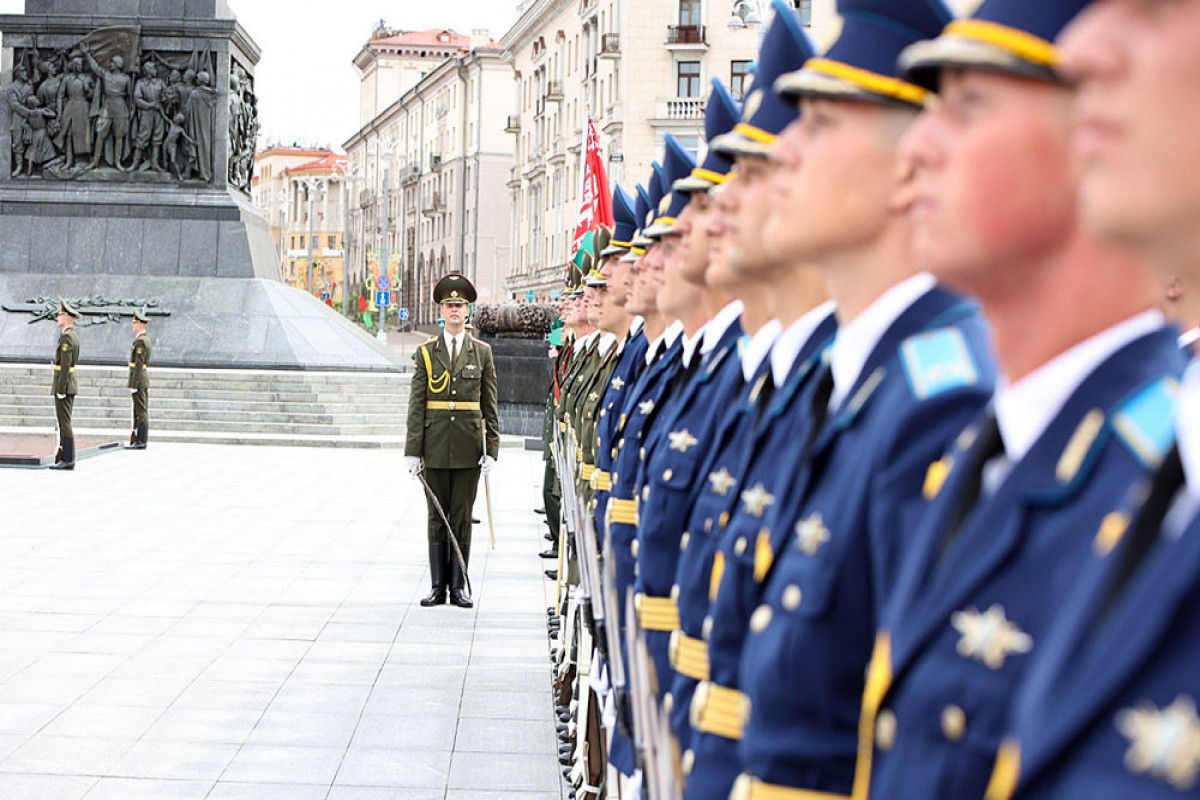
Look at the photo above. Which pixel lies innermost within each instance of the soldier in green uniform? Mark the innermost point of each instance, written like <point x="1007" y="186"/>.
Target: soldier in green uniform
<point x="139" y="383"/>
<point x="453" y="433"/>
<point x="66" y="356"/>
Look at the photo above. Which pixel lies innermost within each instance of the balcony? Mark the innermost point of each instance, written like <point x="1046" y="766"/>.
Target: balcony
<point x="556" y="154"/>
<point x="680" y="108"/>
<point x="366" y="198"/>
<point x="514" y="124"/>
<point x="433" y="205"/>
<point x="410" y="173"/>
<point x="554" y="91"/>
<point x="610" y="45"/>
<point x="690" y="35"/>
<point x="435" y="162"/>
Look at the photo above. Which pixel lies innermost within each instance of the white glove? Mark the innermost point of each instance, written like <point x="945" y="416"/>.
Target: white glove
<point x="133" y="391"/>
<point x="61" y="396"/>
<point x="485" y="465"/>
<point x="413" y="463"/>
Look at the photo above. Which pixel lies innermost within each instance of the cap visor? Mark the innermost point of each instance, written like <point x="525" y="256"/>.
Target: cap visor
<point x="923" y="62"/>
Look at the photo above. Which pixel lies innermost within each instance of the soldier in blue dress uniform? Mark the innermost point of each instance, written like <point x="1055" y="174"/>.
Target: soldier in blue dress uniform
<point x="1083" y="415"/>
<point x="908" y="370"/>
<point x="1108" y="709"/>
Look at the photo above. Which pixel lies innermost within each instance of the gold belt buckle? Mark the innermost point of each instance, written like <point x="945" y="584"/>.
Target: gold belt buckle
<point x="453" y="405"/>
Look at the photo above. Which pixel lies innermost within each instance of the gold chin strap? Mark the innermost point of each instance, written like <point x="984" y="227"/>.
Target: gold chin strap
<point x="436" y="385"/>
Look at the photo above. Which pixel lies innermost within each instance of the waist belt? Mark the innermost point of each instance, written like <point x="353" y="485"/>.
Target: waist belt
<point x="657" y="613"/>
<point x="719" y="710"/>
<point x="58" y="368"/>
<point x="586" y="471"/>
<point x="623" y="511"/>
<point x="451" y="405"/>
<point x="689" y="656"/>
<point x="748" y="788"/>
<point x="602" y="481"/>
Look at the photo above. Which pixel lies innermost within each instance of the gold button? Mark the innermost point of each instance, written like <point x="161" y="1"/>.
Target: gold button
<point x="667" y="474"/>
<point x="668" y="702"/>
<point x="723" y="519"/>
<point x="791" y="597"/>
<point x="634" y="547"/>
<point x="739" y="547"/>
<point x="708" y="525"/>
<point x="675" y="593"/>
<point x="706" y="628"/>
<point x="885" y="730"/>
<point x="761" y="618"/>
<point x="645" y="493"/>
<point x="642" y="453"/>
<point x="614" y="454"/>
<point x="684" y="540"/>
<point x="688" y="762"/>
<point x="954" y="723"/>
<point x="453" y="391"/>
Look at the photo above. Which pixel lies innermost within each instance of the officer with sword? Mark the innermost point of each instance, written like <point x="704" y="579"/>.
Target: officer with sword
<point x="453" y="437"/>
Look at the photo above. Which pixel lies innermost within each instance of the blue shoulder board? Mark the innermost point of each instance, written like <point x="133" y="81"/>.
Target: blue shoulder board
<point x="1145" y="421"/>
<point x="938" y="361"/>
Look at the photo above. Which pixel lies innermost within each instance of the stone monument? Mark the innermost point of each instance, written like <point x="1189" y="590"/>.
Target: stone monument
<point x="127" y="138"/>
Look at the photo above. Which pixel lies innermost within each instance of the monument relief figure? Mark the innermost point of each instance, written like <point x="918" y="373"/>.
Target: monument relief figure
<point x="113" y="99"/>
<point x="20" y="89"/>
<point x="39" y="149"/>
<point x="199" y="113"/>
<point x="74" y="112"/>
<point x="151" y="119"/>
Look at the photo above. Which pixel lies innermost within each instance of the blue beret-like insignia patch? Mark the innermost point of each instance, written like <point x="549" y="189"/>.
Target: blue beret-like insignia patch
<point x="937" y="362"/>
<point x="1145" y="422"/>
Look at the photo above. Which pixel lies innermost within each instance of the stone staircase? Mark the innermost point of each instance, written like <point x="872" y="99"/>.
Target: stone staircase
<point x="219" y="406"/>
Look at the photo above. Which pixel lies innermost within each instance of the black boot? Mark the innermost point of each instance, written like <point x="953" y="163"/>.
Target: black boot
<point x="437" y="575"/>
<point x="458" y="581"/>
<point x="141" y="435"/>
<point x="66" y="458"/>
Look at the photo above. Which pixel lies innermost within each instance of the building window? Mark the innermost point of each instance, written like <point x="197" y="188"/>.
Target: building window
<point x="689" y="14"/>
<point x="739" y="78"/>
<point x="332" y="242"/>
<point x="805" y="9"/>
<point x="688" y="84"/>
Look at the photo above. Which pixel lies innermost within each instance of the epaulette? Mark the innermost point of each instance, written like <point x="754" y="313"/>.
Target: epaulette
<point x="938" y="361"/>
<point x="1145" y="421"/>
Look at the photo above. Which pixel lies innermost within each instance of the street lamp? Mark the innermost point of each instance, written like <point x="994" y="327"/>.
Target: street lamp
<point x="745" y="13"/>
<point x="312" y="186"/>
<point x="347" y="174"/>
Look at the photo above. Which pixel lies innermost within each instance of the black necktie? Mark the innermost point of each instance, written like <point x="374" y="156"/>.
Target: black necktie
<point x="819" y="409"/>
<point x="1145" y="529"/>
<point x="988" y="444"/>
<point x="453" y="352"/>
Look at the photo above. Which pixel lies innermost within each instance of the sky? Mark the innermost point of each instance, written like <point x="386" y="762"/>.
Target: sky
<point x="306" y="84"/>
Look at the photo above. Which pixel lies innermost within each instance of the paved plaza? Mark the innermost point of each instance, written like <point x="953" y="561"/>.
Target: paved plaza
<point x="204" y="621"/>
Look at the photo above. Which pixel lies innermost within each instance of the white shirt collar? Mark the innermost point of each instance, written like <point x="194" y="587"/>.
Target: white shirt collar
<point x="1188" y="338"/>
<point x="636" y="324"/>
<point x="793" y="340"/>
<point x="720" y="324"/>
<point x="585" y="341"/>
<point x="664" y="341"/>
<point x="758" y="347"/>
<point x="850" y="350"/>
<point x="1026" y="408"/>
<point x="449" y="339"/>
<point x="1187" y="427"/>
<point x="607" y="340"/>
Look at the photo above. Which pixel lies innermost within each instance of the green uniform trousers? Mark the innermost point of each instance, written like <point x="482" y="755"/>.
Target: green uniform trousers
<point x="62" y="413"/>
<point x="455" y="490"/>
<point x="141" y="407"/>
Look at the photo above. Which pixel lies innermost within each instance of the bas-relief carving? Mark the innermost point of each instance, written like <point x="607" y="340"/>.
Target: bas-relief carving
<point x="243" y="126"/>
<point x="108" y="109"/>
<point x="93" y="310"/>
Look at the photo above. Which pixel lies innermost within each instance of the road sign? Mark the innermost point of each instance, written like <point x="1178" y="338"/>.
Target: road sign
<point x="384" y="282"/>
<point x="383" y="299"/>
<point x="324" y="296"/>
<point x="529" y="296"/>
<point x="403" y="314"/>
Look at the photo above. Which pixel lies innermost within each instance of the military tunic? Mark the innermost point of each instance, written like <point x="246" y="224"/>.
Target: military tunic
<point x="453" y="420"/>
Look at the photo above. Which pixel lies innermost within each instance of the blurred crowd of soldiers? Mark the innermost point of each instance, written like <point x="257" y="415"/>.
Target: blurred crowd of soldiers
<point x="873" y="454"/>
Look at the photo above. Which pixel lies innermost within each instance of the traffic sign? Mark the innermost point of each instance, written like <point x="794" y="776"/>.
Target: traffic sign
<point x="383" y="299"/>
<point x="384" y="282"/>
<point x="324" y="296"/>
<point x="403" y="314"/>
<point x="529" y="295"/>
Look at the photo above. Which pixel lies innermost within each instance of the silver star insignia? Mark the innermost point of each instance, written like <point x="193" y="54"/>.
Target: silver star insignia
<point x="594" y="396"/>
<point x="617" y="383"/>
<point x="681" y="440"/>
<point x="721" y="481"/>
<point x="1164" y="743"/>
<point x="646" y="407"/>
<point x="756" y="500"/>
<point x="811" y="534"/>
<point x="989" y="637"/>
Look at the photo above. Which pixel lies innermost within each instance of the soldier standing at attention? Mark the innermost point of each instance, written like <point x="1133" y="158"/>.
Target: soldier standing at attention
<point x="66" y="356"/>
<point x="453" y="434"/>
<point x="139" y="383"/>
